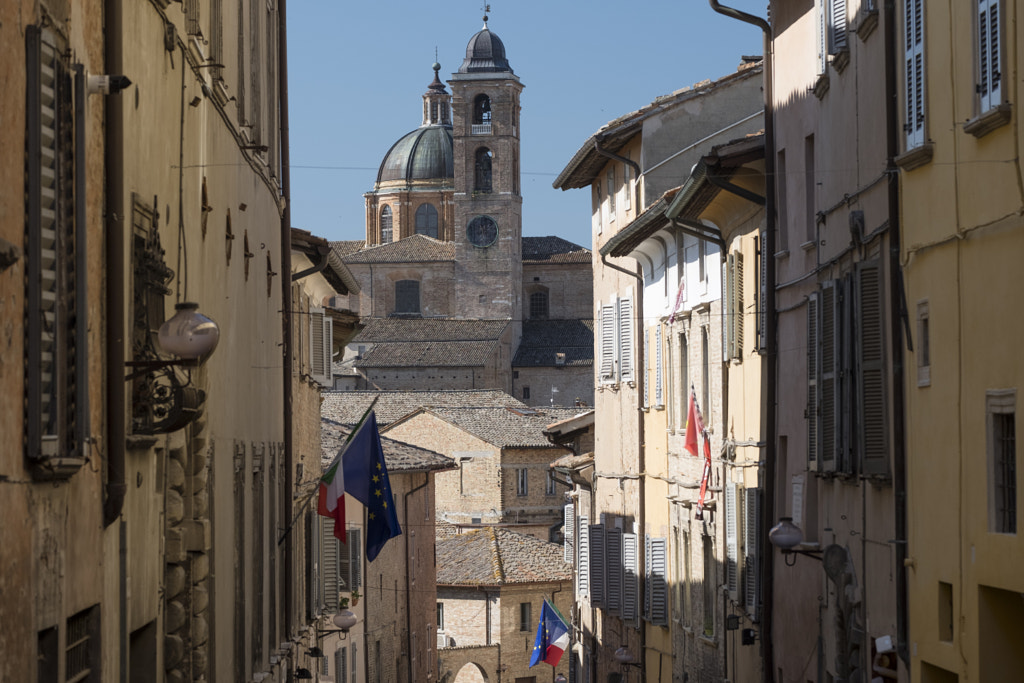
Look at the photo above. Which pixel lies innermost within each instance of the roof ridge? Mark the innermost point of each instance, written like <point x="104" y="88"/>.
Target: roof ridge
<point x="499" y="569"/>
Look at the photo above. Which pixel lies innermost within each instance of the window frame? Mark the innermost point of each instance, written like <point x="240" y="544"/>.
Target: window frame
<point x="525" y="617"/>
<point x="426" y="220"/>
<point x="386" y="225"/>
<point x="914" y="90"/>
<point x="1001" y="402"/>
<point x="522" y="482"/>
<point x="406" y="296"/>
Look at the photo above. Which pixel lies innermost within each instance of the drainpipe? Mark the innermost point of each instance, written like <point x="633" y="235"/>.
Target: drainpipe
<point x="629" y="162"/>
<point x="897" y="308"/>
<point x="115" y="258"/>
<point x="408" y="575"/>
<point x="770" y="352"/>
<point x="286" y="301"/>
<point x="638" y="372"/>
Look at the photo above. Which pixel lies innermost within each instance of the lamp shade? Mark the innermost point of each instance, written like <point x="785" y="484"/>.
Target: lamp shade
<point x="785" y="535"/>
<point x="303" y="674"/>
<point x="623" y="655"/>
<point x="188" y="334"/>
<point x="345" y="619"/>
<point x="560" y="678"/>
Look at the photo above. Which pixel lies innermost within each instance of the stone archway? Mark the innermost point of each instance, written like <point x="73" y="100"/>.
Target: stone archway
<point x="469" y="664"/>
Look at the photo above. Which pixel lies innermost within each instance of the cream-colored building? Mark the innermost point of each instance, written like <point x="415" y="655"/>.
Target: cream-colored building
<point x="630" y="592"/>
<point x="153" y="496"/>
<point x="961" y="239"/>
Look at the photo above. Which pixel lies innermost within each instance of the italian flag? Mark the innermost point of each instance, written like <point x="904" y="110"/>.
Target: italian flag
<point x="332" y="496"/>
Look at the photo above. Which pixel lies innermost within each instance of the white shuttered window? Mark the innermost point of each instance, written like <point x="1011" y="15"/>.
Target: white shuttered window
<point x="913" y="59"/>
<point x="989" y="44"/>
<point x="630" y="576"/>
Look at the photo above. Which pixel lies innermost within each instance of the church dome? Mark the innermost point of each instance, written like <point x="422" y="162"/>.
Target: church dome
<point x="424" y="154"/>
<point x="485" y="54"/>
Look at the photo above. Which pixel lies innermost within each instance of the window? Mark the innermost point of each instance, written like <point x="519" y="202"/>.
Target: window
<point x="687" y="574"/>
<point x="616" y="342"/>
<point x="583" y="558"/>
<point x="611" y="193"/>
<point x="407" y="297"/>
<point x="630" y="577"/>
<point x="81" y="648"/>
<point x="426" y="220"/>
<point x="568" y="531"/>
<point x="539" y="305"/>
<point x="525" y="620"/>
<point x="613" y="569"/>
<point x="810" y="193"/>
<point x="847" y="374"/>
<point x="385" y="225"/>
<point x="549" y="484"/>
<point x="913" y="57"/>
<point x="482" y="110"/>
<point x="924" y="361"/>
<point x="440" y="616"/>
<point x="705" y="375"/>
<point x="598" y="584"/>
<point x="732" y="541"/>
<point x="782" y="202"/>
<point x="702" y="264"/>
<point x="732" y="302"/>
<point x="627" y="186"/>
<point x="710" y="581"/>
<point x="751" y="551"/>
<point x="989" y="44"/>
<point x="522" y="482"/>
<point x="1002" y="460"/>
<point x="659" y="369"/>
<point x="684" y="379"/>
<point x="482" y="176"/>
<point x="54" y="307"/>
<point x="526" y="393"/>
<point x="321" y="328"/>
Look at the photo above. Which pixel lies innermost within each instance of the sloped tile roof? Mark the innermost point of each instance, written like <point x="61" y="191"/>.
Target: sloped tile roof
<point x="344" y="248"/>
<point x="505" y="427"/>
<point x="429" y="329"/>
<point x="553" y="250"/>
<point x="414" y="249"/>
<point x="398" y="456"/>
<point x="494" y="556"/>
<point x="346" y="407"/>
<point x="435" y="354"/>
<point x="543" y="339"/>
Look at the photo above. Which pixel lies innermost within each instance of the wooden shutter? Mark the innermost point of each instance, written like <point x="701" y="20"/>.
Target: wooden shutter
<point x="191" y="10"/>
<point x="872" y="425"/>
<point x="355" y="558"/>
<point x="829" y="380"/>
<point x="630" y="579"/>
<point x="837" y="27"/>
<point x="626" y="340"/>
<point x="989" y="44"/>
<point x="727" y="312"/>
<point x="821" y="15"/>
<point x="731" y="540"/>
<point x="598" y="581"/>
<point x="613" y="568"/>
<point x="647" y="368"/>
<point x="659" y="368"/>
<point x="813" y="380"/>
<point x="318" y="358"/>
<point x="913" y="58"/>
<point x="737" y="306"/>
<point x="763" y="261"/>
<point x="583" y="558"/>
<point x="658" y="581"/>
<point x="568" y="527"/>
<point x="751" y="551"/>
<point x="328" y="566"/>
<point x="609" y="333"/>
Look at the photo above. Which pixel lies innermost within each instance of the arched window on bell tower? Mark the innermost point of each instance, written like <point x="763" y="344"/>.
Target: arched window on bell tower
<point x="482" y="181"/>
<point x="481" y="115"/>
<point x="385" y="225"/>
<point x="426" y="220"/>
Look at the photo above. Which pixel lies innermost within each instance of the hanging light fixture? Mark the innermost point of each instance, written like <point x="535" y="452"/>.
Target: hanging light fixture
<point x="188" y="334"/>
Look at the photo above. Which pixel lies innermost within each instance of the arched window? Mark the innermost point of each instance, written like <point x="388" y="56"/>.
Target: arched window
<point x="385" y="225"/>
<point x="426" y="220"/>
<point x="483" y="170"/>
<point x="407" y="296"/>
<point x="539" y="305"/>
<point x="482" y="110"/>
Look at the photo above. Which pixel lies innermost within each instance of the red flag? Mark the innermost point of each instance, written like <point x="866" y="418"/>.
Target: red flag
<point x="705" y="477"/>
<point x="694" y="425"/>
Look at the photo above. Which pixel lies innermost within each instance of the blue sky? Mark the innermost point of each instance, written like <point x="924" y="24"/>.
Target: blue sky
<point x="357" y="71"/>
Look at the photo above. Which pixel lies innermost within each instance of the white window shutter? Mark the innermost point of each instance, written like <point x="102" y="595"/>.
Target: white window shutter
<point x="328" y="566"/>
<point x="630" y="582"/>
<point x="659" y="582"/>
<point x="829" y="389"/>
<point x="355" y="557"/>
<point x="737" y="306"/>
<point x="647" y="367"/>
<point x="764" y="262"/>
<point x="609" y="334"/>
<point x="613" y="566"/>
<point x="837" y="29"/>
<point x="872" y="422"/>
<point x="626" y="340"/>
<point x="988" y="46"/>
<point x="731" y="540"/>
<point x="821" y="15"/>
<point x="659" y="369"/>
<point x="727" y="312"/>
<point x="328" y="380"/>
<point x="568" y="527"/>
<point x="751" y="551"/>
<point x="913" y="56"/>
<point x="319" y="361"/>
<point x="598" y="581"/>
<point x="813" y="377"/>
<point x="583" y="558"/>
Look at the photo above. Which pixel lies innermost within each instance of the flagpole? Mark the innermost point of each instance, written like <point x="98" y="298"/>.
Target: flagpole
<point x="309" y="497"/>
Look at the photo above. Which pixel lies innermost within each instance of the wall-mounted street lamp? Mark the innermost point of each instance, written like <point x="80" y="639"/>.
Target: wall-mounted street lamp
<point x="344" y="620"/>
<point x="162" y="401"/>
<point x="624" y="657"/>
<point x="303" y="674"/>
<point x="786" y="536"/>
<point x="560" y="678"/>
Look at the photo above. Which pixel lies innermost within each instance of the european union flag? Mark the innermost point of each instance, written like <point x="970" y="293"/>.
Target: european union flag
<point x="366" y="479"/>
<point x="552" y="637"/>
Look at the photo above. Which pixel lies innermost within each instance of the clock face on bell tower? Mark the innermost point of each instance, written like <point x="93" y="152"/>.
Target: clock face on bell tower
<point x="482" y="231"/>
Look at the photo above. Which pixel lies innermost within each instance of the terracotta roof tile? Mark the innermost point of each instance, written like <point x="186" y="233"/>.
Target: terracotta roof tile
<point x="437" y="354"/>
<point x="429" y="329"/>
<point x="553" y="250"/>
<point x="505" y="427"/>
<point x="414" y="249"/>
<point x="398" y="456"/>
<point x="543" y="339"/>
<point x="494" y="556"/>
<point x="347" y="407"/>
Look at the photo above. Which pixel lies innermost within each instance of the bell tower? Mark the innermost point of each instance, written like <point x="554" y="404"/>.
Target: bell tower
<point x="488" y="204"/>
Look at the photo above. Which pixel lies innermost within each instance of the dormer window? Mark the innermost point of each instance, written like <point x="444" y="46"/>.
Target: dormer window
<point x="481" y="115"/>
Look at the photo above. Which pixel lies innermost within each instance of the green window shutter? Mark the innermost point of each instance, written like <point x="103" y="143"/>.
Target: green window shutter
<point x="613" y="568"/>
<point x="598" y="578"/>
<point x="829" y="364"/>
<point x="872" y="422"/>
<point x="813" y="381"/>
<point x="751" y="551"/>
<point x="630" y="578"/>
